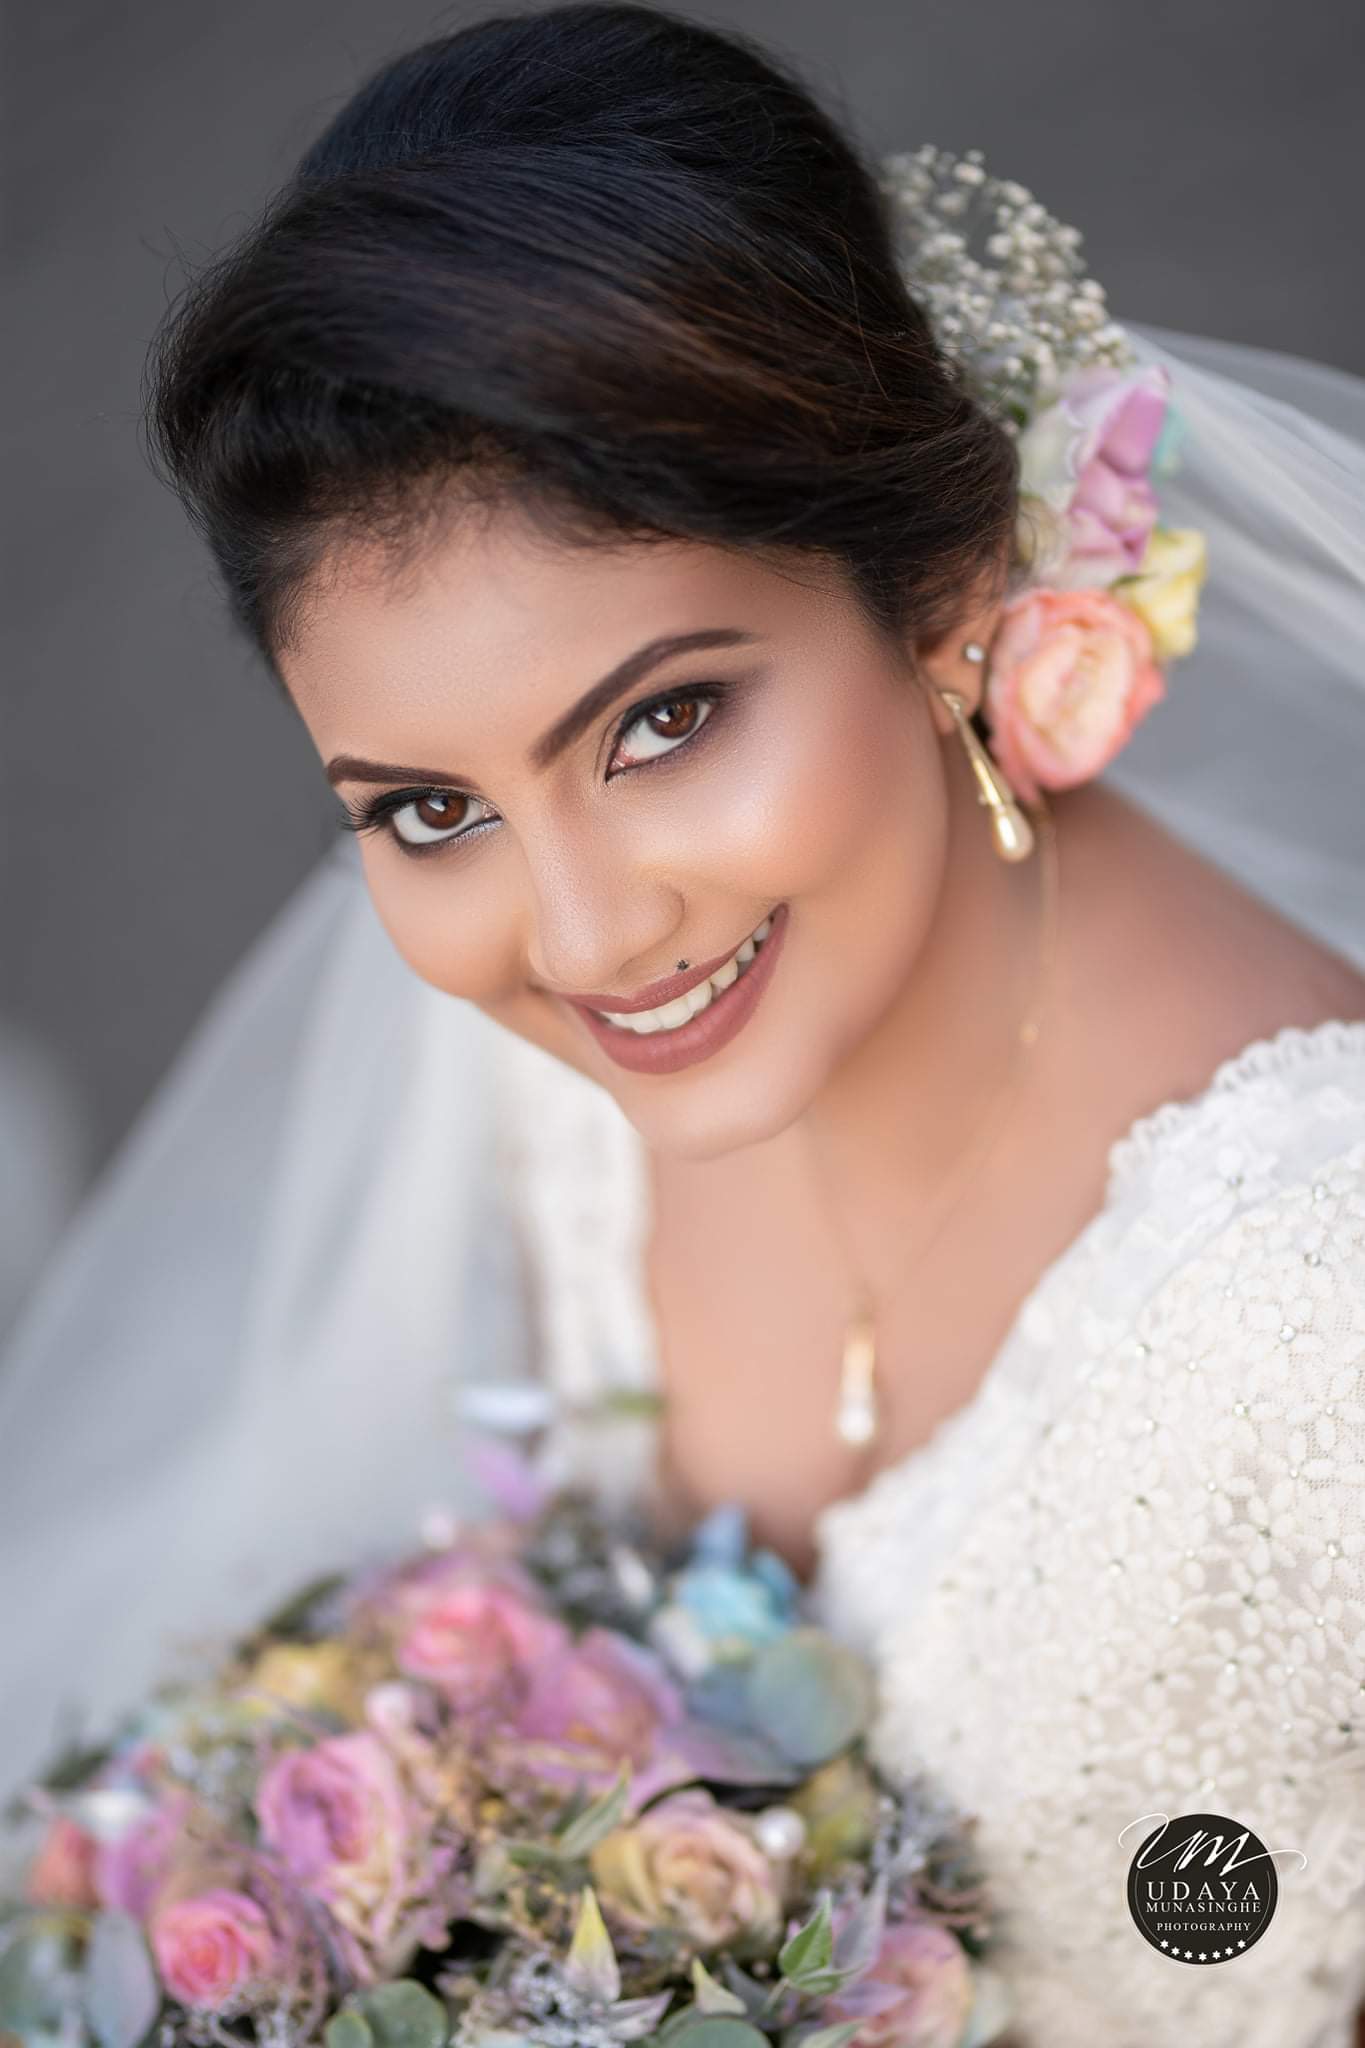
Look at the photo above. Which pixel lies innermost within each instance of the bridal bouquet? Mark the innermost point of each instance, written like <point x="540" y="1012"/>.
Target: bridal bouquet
<point x="537" y="1786"/>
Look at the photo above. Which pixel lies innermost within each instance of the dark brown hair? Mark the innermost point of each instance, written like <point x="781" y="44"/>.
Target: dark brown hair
<point x="603" y="261"/>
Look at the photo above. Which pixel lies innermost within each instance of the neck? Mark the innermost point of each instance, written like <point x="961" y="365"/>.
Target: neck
<point x="896" y="1120"/>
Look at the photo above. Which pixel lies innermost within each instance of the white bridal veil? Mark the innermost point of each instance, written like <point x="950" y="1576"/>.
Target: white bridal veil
<point x="238" y="1369"/>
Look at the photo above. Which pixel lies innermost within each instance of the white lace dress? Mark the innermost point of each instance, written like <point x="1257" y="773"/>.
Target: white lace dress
<point x="1128" y="1577"/>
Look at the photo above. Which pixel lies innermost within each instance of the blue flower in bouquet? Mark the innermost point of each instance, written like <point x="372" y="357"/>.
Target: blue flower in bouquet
<point x="727" y="1601"/>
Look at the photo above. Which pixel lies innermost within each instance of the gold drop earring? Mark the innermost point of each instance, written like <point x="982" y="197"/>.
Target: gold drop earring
<point x="1010" y="829"/>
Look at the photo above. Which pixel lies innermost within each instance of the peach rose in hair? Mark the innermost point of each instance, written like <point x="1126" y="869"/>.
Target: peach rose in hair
<point x="1072" y="673"/>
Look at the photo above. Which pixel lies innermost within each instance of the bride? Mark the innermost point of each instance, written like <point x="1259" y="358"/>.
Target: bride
<point x="751" y="1043"/>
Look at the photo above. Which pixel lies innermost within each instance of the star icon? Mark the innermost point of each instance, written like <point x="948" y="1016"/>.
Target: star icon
<point x="1202" y="1957"/>
<point x="1241" y="1944"/>
<point x="1189" y="1958"/>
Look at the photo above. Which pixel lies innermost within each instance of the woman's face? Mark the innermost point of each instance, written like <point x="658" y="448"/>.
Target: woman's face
<point x="541" y="837"/>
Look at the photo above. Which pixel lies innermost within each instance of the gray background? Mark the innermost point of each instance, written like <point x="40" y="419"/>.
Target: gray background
<point x="158" y="800"/>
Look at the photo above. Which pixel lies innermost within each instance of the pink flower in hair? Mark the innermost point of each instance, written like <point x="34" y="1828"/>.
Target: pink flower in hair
<point x="1088" y="458"/>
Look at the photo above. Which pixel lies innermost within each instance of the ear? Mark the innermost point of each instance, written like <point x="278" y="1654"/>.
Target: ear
<point x="945" y="666"/>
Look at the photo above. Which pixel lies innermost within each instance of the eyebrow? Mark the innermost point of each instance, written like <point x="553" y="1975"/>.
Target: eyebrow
<point x="566" y="729"/>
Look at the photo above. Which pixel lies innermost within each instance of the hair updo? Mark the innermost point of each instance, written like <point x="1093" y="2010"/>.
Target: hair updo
<point x="607" y="264"/>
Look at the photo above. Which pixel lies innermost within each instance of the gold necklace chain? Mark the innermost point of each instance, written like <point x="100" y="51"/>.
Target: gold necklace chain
<point x="857" y="1413"/>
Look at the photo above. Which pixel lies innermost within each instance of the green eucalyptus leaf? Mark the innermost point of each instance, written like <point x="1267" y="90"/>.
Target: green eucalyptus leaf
<point x="992" y="2007"/>
<point x="591" y="1967"/>
<point x="719" y="2032"/>
<point x="821" y="2037"/>
<point x="290" y="1619"/>
<point x="809" y="1695"/>
<point x="811" y="1948"/>
<point x="346" y="2029"/>
<point x="674" y="2027"/>
<point x="404" y="2015"/>
<point x="631" y="1401"/>
<point x="597" y="1820"/>
<point x="74" y="1765"/>
<point x="819" y="1983"/>
<point x="713" y="1997"/>
<point x="39" y="1985"/>
<point x="122" y="1996"/>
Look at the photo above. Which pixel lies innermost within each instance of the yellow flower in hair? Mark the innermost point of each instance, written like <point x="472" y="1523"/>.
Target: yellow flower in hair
<point x="1164" y="591"/>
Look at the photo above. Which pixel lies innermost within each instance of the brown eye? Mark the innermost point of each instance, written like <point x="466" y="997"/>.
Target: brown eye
<point x="427" y="819"/>
<point x="665" y="725"/>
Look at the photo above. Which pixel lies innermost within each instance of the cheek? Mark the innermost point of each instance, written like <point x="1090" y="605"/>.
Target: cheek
<point x="457" y="936"/>
<point x="450" y="931"/>
<point x="797" y="805"/>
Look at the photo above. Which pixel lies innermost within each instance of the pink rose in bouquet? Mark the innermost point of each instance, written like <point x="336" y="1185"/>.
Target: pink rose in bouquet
<point x="917" y="1993"/>
<point x="597" y="1703"/>
<point x="211" y="1949"/>
<point x="63" y="1871"/>
<point x="337" y="1816"/>
<point x="478" y="1641"/>
<point x="689" y="1864"/>
<point x="1072" y="674"/>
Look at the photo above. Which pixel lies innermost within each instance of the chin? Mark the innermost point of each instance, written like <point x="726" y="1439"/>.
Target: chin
<point x="710" y="1110"/>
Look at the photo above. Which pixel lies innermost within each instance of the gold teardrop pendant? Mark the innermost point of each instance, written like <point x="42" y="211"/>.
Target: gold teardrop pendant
<point x="856" y="1418"/>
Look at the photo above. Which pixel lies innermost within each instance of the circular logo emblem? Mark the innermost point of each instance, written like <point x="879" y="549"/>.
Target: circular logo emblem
<point x="1202" y="1888"/>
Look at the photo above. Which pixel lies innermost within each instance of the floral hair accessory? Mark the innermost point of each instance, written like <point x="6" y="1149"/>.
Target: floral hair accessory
<point x="1103" y="595"/>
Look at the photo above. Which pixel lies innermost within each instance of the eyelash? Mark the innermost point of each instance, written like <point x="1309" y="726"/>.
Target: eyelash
<point x="378" y="812"/>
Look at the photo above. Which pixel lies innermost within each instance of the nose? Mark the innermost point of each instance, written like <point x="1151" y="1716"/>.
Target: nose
<point x="599" y="920"/>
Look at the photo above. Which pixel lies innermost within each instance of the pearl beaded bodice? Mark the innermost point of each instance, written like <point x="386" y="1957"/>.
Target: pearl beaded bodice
<point x="1128" y="1577"/>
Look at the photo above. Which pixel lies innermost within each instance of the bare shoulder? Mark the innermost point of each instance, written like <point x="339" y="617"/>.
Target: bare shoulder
<point x="1171" y="965"/>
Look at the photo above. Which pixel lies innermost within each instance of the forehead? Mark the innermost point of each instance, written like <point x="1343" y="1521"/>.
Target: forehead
<point x="494" y="610"/>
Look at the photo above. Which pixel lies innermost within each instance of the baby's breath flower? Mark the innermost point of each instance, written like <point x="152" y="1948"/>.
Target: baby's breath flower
<point x="1022" y="315"/>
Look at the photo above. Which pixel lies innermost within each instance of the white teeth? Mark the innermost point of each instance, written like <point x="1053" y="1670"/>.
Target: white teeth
<point x="670" y="1015"/>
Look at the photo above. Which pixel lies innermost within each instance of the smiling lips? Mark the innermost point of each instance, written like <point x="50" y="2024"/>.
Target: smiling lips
<point x="715" y="1001"/>
<point x="669" y="1015"/>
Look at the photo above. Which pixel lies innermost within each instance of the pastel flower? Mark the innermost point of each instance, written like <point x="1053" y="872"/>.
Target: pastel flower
<point x="597" y="1703"/>
<point x="304" y="1675"/>
<point x="690" y="1865"/>
<point x="478" y="1642"/>
<point x="735" y="1610"/>
<point x="592" y="1972"/>
<point x="131" y="1868"/>
<point x="211" y="1949"/>
<point x="1165" y="591"/>
<point x="338" y="1817"/>
<point x="917" y="1992"/>
<point x="63" y="1871"/>
<point x="1088" y="457"/>
<point x="1072" y="673"/>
